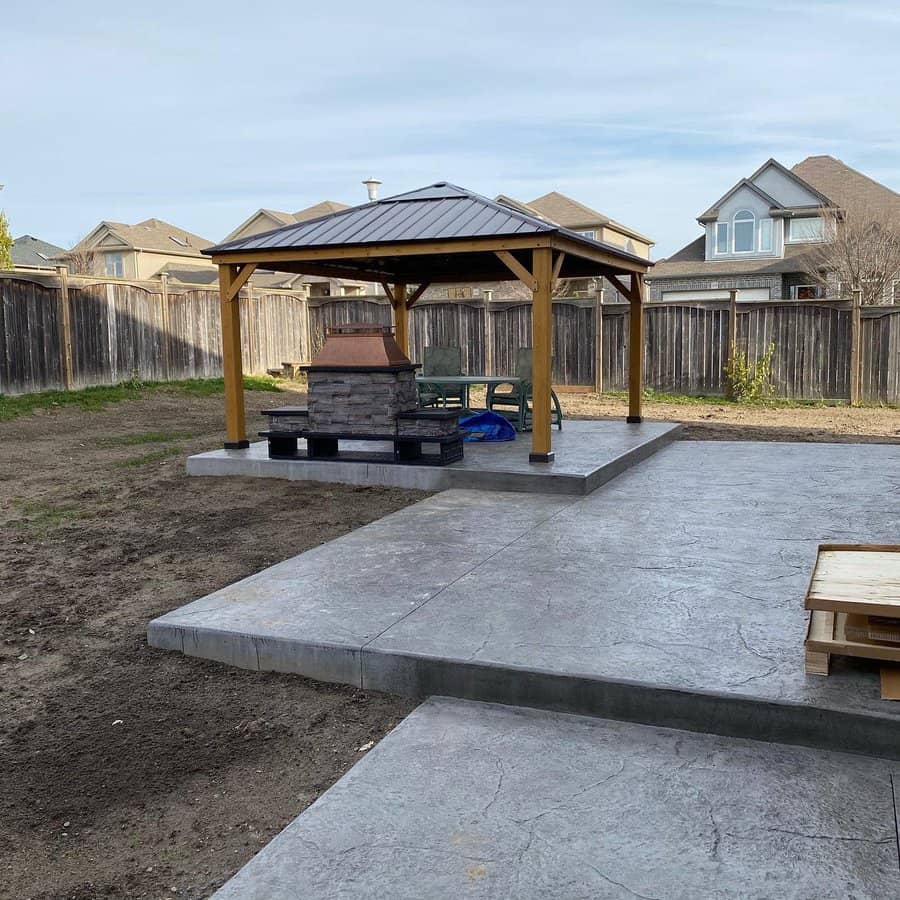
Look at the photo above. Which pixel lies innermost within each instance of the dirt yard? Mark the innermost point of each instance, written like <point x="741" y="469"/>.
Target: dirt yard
<point x="128" y="772"/>
<point x="712" y="421"/>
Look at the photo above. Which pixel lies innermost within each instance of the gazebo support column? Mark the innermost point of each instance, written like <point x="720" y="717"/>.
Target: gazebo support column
<point x="542" y="336"/>
<point x="401" y="317"/>
<point x="636" y="350"/>
<point x="231" y="280"/>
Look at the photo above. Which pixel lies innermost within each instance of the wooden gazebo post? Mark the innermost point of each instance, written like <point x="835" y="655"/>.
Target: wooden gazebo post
<point x="231" y="279"/>
<point x="636" y="351"/>
<point x="542" y="342"/>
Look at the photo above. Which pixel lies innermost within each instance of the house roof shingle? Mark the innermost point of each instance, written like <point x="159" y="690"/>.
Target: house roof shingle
<point x="151" y="234"/>
<point x="572" y="214"/>
<point x="849" y="189"/>
<point x="33" y="252"/>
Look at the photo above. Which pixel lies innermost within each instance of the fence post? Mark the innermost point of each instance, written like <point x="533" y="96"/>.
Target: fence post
<point x="307" y="317"/>
<point x="488" y="334"/>
<point x="65" y="328"/>
<point x="598" y="341"/>
<point x="855" y="346"/>
<point x="164" y="278"/>
<point x="732" y="324"/>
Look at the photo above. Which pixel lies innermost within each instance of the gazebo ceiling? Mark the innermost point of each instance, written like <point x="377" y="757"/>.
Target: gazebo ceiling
<point x="440" y="233"/>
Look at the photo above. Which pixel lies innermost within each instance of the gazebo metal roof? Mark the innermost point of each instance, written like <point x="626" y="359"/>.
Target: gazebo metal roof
<point x="441" y="211"/>
<point x="441" y="233"/>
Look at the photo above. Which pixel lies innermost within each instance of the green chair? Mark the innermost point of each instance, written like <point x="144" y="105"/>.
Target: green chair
<point x="519" y="399"/>
<point x="442" y="361"/>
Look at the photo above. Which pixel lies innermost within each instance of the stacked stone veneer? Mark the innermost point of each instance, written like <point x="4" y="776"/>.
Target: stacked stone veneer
<point x="363" y="403"/>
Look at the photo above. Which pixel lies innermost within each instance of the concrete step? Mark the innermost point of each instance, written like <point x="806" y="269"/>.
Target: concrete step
<point x="483" y="801"/>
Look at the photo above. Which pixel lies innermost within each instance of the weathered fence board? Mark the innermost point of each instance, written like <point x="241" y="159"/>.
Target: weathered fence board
<point x="121" y="329"/>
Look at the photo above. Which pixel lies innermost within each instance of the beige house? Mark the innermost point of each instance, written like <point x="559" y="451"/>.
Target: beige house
<point x="139" y="251"/>
<point x="577" y="217"/>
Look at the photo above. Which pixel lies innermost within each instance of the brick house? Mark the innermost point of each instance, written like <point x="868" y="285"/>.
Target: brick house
<point x="757" y="237"/>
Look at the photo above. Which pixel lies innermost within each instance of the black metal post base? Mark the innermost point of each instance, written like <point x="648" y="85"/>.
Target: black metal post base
<point x="237" y="445"/>
<point x="541" y="457"/>
<point x="634" y="420"/>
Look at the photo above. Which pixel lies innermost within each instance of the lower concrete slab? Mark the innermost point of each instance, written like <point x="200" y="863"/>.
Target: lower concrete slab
<point x="673" y="595"/>
<point x="482" y="801"/>
<point x="588" y="454"/>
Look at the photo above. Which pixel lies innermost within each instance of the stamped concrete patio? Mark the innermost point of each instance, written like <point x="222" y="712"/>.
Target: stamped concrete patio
<point x="588" y="454"/>
<point x="672" y="595"/>
<point x="473" y="800"/>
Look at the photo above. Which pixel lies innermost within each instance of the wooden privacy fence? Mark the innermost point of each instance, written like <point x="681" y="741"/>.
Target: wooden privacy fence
<point x="65" y="331"/>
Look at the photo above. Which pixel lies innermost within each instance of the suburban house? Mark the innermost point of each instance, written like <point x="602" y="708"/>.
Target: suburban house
<point x="138" y="251"/>
<point x="561" y="210"/>
<point x="757" y="237"/>
<point x="34" y="254"/>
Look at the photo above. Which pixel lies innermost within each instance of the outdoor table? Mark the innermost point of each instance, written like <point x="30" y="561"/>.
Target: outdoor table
<point x="442" y="382"/>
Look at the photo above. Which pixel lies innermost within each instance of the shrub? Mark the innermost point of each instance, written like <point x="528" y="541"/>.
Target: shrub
<point x="749" y="382"/>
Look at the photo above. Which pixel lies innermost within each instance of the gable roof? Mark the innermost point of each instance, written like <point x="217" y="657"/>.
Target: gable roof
<point x="34" y="253"/>
<point x="713" y="211"/>
<point x="440" y="211"/>
<point x="151" y="234"/>
<point x="318" y="210"/>
<point x="848" y="188"/>
<point x="568" y="212"/>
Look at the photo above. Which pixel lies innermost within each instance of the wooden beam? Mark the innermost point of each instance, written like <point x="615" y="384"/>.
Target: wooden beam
<point x="517" y="269"/>
<point x="235" y="426"/>
<point x="417" y="293"/>
<point x="264" y="256"/>
<point x="619" y="286"/>
<point x="241" y="277"/>
<point x="542" y="343"/>
<point x="856" y="347"/>
<point x="389" y="292"/>
<point x="401" y="318"/>
<point x="636" y="352"/>
<point x="599" y="255"/>
<point x="557" y="265"/>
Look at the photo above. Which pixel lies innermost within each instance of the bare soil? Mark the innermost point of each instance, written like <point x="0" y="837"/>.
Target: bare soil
<point x="127" y="771"/>
<point x="720" y="421"/>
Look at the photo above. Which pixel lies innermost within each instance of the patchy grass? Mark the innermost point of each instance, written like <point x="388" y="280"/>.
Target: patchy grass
<point x="147" y="458"/>
<point x="652" y="396"/>
<point x="94" y="398"/>
<point x="42" y="516"/>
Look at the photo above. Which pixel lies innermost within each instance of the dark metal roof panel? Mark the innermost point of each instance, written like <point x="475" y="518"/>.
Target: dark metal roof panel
<point x="437" y="212"/>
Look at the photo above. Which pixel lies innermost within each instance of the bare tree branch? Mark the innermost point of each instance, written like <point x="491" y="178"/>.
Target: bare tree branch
<point x="861" y="252"/>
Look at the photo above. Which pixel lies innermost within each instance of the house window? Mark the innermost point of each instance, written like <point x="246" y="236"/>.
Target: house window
<point x="744" y="228"/>
<point x="629" y="247"/>
<point x="807" y="292"/>
<point x="812" y="229"/>
<point x="766" y="236"/>
<point x="589" y="234"/>
<point x="115" y="265"/>
<point x="721" y="237"/>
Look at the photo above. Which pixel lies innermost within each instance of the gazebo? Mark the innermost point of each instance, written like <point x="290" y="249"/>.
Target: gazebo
<point x="438" y="234"/>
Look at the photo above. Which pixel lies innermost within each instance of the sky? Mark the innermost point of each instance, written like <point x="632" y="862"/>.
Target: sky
<point x="200" y="113"/>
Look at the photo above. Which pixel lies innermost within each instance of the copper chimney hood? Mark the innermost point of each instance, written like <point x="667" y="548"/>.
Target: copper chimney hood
<point x="360" y="346"/>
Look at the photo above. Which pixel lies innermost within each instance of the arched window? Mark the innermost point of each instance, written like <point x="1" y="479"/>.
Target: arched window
<point x="744" y="229"/>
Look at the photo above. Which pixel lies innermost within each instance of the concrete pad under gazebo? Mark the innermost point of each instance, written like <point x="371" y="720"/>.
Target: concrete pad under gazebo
<point x="438" y="234"/>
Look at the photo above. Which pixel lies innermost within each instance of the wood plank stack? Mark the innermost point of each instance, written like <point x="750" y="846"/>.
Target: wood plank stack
<point x="854" y="603"/>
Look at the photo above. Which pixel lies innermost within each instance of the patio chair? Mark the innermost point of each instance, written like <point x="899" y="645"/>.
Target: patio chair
<point x="519" y="399"/>
<point x="442" y="361"/>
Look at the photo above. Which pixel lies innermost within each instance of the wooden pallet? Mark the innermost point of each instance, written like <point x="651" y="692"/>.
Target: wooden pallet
<point x="850" y="580"/>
